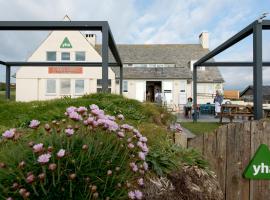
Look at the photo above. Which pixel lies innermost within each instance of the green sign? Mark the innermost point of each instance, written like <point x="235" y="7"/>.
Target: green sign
<point x="259" y="166"/>
<point x="66" y="43"/>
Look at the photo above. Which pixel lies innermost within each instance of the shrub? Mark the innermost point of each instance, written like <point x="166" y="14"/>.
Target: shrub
<point x="88" y="155"/>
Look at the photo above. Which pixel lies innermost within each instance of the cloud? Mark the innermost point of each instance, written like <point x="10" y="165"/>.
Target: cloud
<point x="139" y="21"/>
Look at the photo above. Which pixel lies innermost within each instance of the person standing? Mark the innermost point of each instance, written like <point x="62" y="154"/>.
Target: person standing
<point x="158" y="97"/>
<point x="218" y="102"/>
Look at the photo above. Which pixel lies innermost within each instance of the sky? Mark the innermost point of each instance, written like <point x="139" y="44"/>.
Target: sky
<point x="147" y="22"/>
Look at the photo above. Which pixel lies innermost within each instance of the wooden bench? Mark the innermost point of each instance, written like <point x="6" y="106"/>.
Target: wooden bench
<point x="233" y="110"/>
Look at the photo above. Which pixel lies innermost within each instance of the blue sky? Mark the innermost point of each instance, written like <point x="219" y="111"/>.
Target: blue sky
<point x="151" y="21"/>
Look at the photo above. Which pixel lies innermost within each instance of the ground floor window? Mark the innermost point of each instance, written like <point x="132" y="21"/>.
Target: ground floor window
<point x="51" y="86"/>
<point x="65" y="87"/>
<point x="79" y="87"/>
<point x="125" y="86"/>
<point x="99" y="85"/>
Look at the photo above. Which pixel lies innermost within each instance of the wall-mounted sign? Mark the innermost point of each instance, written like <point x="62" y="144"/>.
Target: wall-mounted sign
<point x="66" y="43"/>
<point x="65" y="70"/>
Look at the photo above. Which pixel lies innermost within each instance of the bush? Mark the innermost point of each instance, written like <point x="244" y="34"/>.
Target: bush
<point x="89" y="155"/>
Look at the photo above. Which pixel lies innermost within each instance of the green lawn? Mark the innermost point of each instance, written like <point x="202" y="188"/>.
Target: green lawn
<point x="200" y="127"/>
<point x="3" y="95"/>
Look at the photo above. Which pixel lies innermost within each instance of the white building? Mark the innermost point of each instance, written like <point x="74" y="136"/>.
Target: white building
<point x="147" y="68"/>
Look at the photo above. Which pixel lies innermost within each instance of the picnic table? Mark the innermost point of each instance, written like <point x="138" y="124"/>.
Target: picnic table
<point x="234" y="110"/>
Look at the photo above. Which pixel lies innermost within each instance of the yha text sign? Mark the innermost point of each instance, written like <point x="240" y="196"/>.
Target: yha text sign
<point x="65" y="70"/>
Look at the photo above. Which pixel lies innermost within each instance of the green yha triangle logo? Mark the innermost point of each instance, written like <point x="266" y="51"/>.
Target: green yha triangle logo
<point x="259" y="166"/>
<point x="66" y="43"/>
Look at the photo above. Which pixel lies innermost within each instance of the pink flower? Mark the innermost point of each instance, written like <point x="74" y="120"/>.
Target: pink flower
<point x="82" y="109"/>
<point x="71" y="109"/>
<point x="38" y="148"/>
<point x="94" y="107"/>
<point x="75" y="116"/>
<point x="44" y="158"/>
<point x="131" y="146"/>
<point x="90" y="120"/>
<point x="141" y="155"/>
<point x="131" y="195"/>
<point x="112" y="118"/>
<point x="127" y="127"/>
<point x="121" y="134"/>
<point x="138" y="194"/>
<point x="34" y="123"/>
<point x="145" y="149"/>
<point x="9" y="133"/>
<point x="145" y="166"/>
<point x="120" y="117"/>
<point x="69" y="131"/>
<point x="140" y="144"/>
<point x="61" y="153"/>
<point x="133" y="166"/>
<point x="30" y="179"/>
<point x="140" y="182"/>
<point x="143" y="139"/>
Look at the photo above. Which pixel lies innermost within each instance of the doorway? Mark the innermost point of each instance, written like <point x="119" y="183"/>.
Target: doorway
<point x="152" y="87"/>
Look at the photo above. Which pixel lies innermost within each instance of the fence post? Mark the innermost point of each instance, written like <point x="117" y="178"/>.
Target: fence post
<point x="7" y="82"/>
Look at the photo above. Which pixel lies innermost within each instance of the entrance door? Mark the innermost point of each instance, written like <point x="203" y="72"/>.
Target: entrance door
<point x="152" y="87"/>
<point x="183" y="92"/>
<point x="140" y="91"/>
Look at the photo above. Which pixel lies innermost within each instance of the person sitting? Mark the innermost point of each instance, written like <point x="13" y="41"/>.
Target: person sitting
<point x="188" y="108"/>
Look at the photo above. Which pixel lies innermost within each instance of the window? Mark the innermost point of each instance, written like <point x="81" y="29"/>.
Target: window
<point x="99" y="90"/>
<point x="99" y="82"/>
<point x="125" y="86"/>
<point x="51" y="86"/>
<point x="64" y="86"/>
<point x="79" y="86"/>
<point x="80" y="56"/>
<point x="51" y="56"/>
<point x="65" y="56"/>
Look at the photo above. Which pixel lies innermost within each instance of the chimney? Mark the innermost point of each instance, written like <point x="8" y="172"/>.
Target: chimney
<point x="91" y="38"/>
<point x="204" y="40"/>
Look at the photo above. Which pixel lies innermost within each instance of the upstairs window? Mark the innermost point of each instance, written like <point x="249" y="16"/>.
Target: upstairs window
<point x="65" y="56"/>
<point x="51" y="56"/>
<point x="80" y="55"/>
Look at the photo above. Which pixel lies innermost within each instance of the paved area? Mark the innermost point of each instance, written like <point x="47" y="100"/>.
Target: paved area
<point x="206" y="118"/>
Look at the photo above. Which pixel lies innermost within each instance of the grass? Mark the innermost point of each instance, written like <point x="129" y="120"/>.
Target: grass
<point x="151" y="120"/>
<point x="12" y="95"/>
<point x="201" y="127"/>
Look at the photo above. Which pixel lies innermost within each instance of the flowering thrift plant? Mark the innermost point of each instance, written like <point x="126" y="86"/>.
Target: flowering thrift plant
<point x="89" y="155"/>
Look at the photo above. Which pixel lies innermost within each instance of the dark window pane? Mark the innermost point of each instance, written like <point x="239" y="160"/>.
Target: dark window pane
<point x="65" y="56"/>
<point x="51" y="56"/>
<point x="99" y="82"/>
<point x="80" y="56"/>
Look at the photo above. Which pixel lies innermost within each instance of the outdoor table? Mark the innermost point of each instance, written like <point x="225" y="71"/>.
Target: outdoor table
<point x="233" y="110"/>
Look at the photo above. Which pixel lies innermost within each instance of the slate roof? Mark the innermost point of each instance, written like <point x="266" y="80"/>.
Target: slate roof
<point x="249" y="91"/>
<point x="178" y="54"/>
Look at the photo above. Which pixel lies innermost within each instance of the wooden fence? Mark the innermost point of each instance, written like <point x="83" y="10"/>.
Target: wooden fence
<point x="229" y="150"/>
